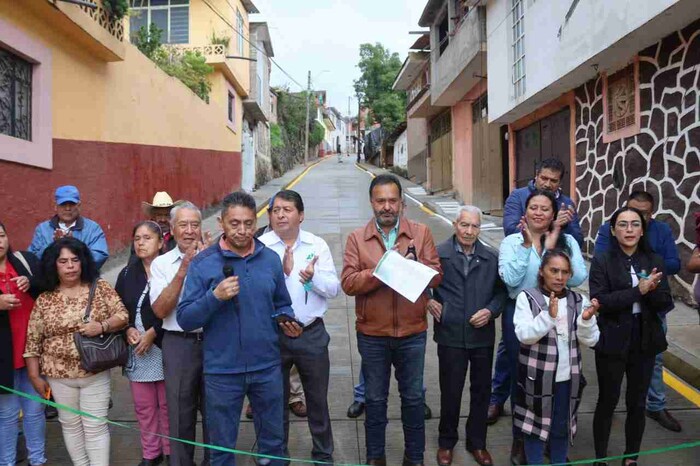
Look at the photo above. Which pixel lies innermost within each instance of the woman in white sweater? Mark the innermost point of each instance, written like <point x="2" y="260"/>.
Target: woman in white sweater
<point x="550" y="321"/>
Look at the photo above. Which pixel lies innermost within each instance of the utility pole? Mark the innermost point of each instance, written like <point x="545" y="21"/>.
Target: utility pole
<point x="306" y="138"/>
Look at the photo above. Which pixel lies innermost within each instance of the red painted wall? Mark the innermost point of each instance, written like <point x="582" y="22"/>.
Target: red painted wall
<point x="113" y="179"/>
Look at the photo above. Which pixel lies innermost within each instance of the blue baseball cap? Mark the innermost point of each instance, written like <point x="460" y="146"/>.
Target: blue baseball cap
<point x="67" y="193"/>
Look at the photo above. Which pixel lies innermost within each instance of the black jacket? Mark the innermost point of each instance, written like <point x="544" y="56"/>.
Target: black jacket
<point x="7" y="367"/>
<point x="611" y="284"/>
<point x="462" y="296"/>
<point x="131" y="282"/>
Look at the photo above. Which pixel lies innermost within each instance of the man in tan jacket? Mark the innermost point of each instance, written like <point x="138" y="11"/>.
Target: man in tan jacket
<point x="390" y="329"/>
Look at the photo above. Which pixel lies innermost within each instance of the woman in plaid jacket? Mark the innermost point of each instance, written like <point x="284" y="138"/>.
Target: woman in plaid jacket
<point x="549" y="321"/>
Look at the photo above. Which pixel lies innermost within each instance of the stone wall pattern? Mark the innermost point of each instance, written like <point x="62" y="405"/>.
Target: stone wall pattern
<point x="663" y="159"/>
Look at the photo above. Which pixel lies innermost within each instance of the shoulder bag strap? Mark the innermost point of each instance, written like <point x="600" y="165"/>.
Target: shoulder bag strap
<point x="86" y="317"/>
<point x="24" y="262"/>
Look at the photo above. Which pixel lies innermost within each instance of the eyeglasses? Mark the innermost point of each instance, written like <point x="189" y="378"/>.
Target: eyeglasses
<point x="626" y="225"/>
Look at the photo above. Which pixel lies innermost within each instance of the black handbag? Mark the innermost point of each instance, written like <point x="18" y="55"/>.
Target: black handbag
<point x="103" y="352"/>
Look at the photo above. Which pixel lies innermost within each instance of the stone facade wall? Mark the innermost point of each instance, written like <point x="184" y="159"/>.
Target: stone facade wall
<point x="663" y="159"/>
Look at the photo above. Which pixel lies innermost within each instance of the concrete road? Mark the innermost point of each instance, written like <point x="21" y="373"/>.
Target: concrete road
<point x="336" y="199"/>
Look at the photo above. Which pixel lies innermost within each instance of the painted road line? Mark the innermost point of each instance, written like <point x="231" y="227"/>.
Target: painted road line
<point x="685" y="390"/>
<point x="291" y="184"/>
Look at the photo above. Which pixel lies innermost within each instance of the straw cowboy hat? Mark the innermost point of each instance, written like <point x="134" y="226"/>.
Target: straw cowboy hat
<point x="161" y="200"/>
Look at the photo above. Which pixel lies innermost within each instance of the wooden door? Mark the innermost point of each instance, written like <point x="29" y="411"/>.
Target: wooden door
<point x="440" y="176"/>
<point x="487" y="166"/>
<point x="544" y="139"/>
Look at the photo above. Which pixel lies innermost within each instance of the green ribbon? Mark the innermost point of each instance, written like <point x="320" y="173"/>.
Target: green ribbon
<point x="38" y="399"/>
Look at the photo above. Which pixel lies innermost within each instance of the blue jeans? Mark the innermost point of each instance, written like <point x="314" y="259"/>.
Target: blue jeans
<point x="34" y="423"/>
<point x="500" y="386"/>
<point x="407" y="355"/>
<point x="558" y="432"/>
<point x="359" y="389"/>
<point x="224" y="402"/>
<point x="656" y="397"/>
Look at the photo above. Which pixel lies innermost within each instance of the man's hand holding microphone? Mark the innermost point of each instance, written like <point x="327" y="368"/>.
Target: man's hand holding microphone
<point x="228" y="289"/>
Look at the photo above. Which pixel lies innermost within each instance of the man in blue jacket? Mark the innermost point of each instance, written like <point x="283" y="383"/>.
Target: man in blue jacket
<point x="235" y="290"/>
<point x="69" y="222"/>
<point x="548" y="178"/>
<point x="660" y="238"/>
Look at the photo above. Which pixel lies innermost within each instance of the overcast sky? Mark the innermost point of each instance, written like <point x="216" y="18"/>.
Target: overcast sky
<point x="320" y="35"/>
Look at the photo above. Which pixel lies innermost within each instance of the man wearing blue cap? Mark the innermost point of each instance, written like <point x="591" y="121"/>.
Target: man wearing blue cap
<point x="69" y="222"/>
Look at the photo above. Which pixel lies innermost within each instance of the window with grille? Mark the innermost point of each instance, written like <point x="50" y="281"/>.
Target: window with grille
<point x="171" y="16"/>
<point x="15" y="96"/>
<point x="240" y="29"/>
<point x="621" y="94"/>
<point x="231" y="107"/>
<point x="621" y="116"/>
<point x="480" y="108"/>
<point x="518" y="47"/>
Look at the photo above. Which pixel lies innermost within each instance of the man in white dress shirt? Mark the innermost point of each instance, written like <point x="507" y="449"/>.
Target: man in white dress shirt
<point x="182" y="351"/>
<point x="311" y="280"/>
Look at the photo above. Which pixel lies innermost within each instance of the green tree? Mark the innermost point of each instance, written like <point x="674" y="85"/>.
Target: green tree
<point x="379" y="68"/>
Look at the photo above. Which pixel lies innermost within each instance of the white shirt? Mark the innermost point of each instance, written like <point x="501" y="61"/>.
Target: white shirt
<point x="530" y="330"/>
<point x="66" y="228"/>
<point x="163" y="271"/>
<point x="636" y="308"/>
<point x="325" y="283"/>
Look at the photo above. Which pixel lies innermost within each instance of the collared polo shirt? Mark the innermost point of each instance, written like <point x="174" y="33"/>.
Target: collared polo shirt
<point x="163" y="271"/>
<point x="325" y="283"/>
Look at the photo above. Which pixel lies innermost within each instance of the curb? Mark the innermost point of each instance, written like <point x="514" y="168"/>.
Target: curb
<point x="295" y="180"/>
<point x="683" y="364"/>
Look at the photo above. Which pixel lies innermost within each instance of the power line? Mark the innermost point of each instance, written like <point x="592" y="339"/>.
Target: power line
<point x="242" y="35"/>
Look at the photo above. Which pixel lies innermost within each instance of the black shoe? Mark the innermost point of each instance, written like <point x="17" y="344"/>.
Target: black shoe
<point x="153" y="462"/>
<point x="407" y="462"/>
<point x="665" y="419"/>
<point x="356" y="409"/>
<point x="50" y="412"/>
<point x="21" y="448"/>
<point x="427" y="413"/>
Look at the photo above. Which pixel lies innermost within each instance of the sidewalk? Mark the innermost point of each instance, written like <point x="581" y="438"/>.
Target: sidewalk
<point x="683" y="354"/>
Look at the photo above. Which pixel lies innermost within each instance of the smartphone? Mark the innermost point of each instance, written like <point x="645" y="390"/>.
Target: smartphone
<point x="286" y="318"/>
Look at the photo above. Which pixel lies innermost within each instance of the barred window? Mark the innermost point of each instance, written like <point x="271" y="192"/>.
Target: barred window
<point x="15" y="96"/>
<point x="518" y="41"/>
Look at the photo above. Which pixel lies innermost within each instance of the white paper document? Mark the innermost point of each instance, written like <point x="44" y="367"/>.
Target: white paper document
<point x="407" y="277"/>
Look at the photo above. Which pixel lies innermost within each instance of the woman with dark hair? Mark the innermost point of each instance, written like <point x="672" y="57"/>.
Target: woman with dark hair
<point x="519" y="259"/>
<point x="19" y="287"/>
<point x="69" y="272"/>
<point x="550" y="321"/>
<point x="631" y="286"/>
<point x="145" y="367"/>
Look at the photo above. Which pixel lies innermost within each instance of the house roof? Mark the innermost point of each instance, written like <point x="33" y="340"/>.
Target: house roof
<point x="263" y="34"/>
<point x="422" y="43"/>
<point x="430" y="12"/>
<point x="412" y="66"/>
<point x="250" y="6"/>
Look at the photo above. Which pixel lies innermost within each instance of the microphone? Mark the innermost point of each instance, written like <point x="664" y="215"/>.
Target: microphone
<point x="228" y="272"/>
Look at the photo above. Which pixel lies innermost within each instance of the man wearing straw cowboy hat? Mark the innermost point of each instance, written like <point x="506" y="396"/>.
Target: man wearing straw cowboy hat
<point x="159" y="212"/>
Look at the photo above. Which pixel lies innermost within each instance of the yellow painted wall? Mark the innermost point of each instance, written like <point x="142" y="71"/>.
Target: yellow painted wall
<point x="129" y="101"/>
<point x="207" y="16"/>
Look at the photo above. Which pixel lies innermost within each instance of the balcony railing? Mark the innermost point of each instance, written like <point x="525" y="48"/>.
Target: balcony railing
<point x="178" y="50"/>
<point x="418" y="87"/>
<point x="102" y="17"/>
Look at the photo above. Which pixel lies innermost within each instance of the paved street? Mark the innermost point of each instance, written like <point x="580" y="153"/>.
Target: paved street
<point x="336" y="201"/>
